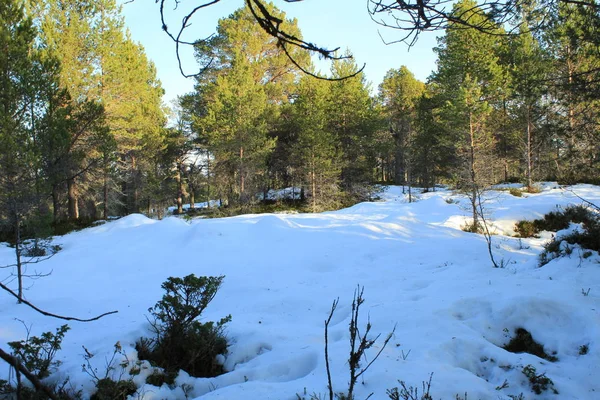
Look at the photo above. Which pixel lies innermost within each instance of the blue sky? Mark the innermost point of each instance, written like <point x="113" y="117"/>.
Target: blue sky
<point x="328" y="23"/>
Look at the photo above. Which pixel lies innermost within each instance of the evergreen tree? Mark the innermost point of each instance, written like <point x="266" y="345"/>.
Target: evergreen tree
<point x="572" y="41"/>
<point x="353" y="121"/>
<point x="315" y="154"/>
<point x="250" y="77"/>
<point x="529" y="72"/>
<point x="470" y="77"/>
<point x="399" y="93"/>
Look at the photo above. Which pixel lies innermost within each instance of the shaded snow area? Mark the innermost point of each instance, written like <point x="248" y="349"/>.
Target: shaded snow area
<point x="421" y="273"/>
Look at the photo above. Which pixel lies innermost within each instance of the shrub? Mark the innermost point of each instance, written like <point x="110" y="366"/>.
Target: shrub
<point x="181" y="341"/>
<point x="588" y="239"/>
<point x="515" y="192"/>
<point x="110" y="385"/>
<point x="557" y="220"/>
<point x="539" y="383"/>
<point x="523" y="342"/>
<point x="410" y="392"/>
<point x="526" y="229"/>
<point x="37" y="353"/>
<point x="108" y="389"/>
<point x="158" y="378"/>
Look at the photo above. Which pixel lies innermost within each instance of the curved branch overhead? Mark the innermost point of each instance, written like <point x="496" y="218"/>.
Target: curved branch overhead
<point x="411" y="17"/>
<point x="271" y="24"/>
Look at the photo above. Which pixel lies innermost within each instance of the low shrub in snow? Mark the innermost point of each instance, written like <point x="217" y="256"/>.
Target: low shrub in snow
<point x="180" y="341"/>
<point x="523" y="342"/>
<point x="411" y="393"/>
<point x="587" y="237"/>
<point x="556" y="220"/>
<point x="515" y="192"/>
<point x="37" y="354"/>
<point x="539" y="382"/>
<point x="108" y="389"/>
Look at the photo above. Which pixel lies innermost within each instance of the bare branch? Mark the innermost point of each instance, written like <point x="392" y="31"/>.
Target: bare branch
<point x="327" y="322"/>
<point x="49" y="314"/>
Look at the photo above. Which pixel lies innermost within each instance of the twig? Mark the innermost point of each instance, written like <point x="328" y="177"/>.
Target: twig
<point x="327" y="322"/>
<point x="49" y="314"/>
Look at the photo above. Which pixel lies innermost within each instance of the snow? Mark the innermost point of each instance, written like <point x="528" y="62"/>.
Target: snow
<point x="422" y="274"/>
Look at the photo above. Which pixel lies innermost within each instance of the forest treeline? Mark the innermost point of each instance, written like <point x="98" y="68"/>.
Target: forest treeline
<point x="84" y="134"/>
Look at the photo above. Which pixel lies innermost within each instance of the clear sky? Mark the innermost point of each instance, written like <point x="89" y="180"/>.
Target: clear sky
<point x="328" y="23"/>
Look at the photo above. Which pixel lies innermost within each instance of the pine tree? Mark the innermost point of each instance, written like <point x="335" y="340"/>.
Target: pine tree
<point x="529" y="73"/>
<point x="23" y="75"/>
<point x="399" y="93"/>
<point x="314" y="152"/>
<point x="353" y="121"/>
<point x="250" y="77"/>
<point x="572" y="41"/>
<point x="470" y="77"/>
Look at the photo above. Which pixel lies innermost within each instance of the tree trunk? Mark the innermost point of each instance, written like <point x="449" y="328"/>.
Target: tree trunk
<point x="72" y="200"/>
<point x="179" y="189"/>
<point x="134" y="181"/>
<point x="55" y="203"/>
<point x="242" y="180"/>
<point x="105" y="189"/>
<point x="472" y="172"/>
<point x="207" y="179"/>
<point x="192" y="197"/>
<point x="529" y="180"/>
<point x="18" y="256"/>
<point x="313" y="182"/>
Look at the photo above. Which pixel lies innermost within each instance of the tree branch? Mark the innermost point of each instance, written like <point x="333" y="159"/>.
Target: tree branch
<point x="49" y="314"/>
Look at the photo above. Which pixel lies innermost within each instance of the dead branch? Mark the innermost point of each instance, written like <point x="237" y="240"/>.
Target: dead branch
<point x="49" y="314"/>
<point x="327" y="322"/>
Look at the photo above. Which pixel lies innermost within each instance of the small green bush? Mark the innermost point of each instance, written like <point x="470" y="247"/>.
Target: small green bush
<point x="523" y="342"/>
<point x="108" y="389"/>
<point x="539" y="383"/>
<point x="515" y="192"/>
<point x="180" y="341"/>
<point x="556" y="220"/>
<point x="158" y="378"/>
<point x="526" y="229"/>
<point x="588" y="238"/>
<point x="37" y="353"/>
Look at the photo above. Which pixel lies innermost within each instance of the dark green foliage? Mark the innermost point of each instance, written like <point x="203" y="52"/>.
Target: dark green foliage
<point x="539" y="383"/>
<point x="37" y="353"/>
<point x="526" y="229"/>
<point x="107" y="389"/>
<point x="587" y="238"/>
<point x="515" y="192"/>
<point x="181" y="341"/>
<point x="158" y="378"/>
<point x="583" y="349"/>
<point x="556" y="220"/>
<point x="523" y="342"/>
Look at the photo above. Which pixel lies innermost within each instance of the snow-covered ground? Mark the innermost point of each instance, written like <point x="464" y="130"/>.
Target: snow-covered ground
<point x="452" y="311"/>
